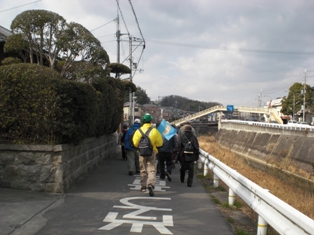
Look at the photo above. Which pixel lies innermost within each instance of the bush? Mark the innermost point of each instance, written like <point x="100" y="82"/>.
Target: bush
<point x="110" y="101"/>
<point x="11" y="60"/>
<point x="27" y="103"/>
<point x="78" y="104"/>
<point x="37" y="106"/>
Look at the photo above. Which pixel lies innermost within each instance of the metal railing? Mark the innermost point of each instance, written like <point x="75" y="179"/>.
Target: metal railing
<point x="270" y="209"/>
<point x="294" y="127"/>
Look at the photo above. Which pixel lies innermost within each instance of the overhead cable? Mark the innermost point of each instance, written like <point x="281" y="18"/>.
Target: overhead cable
<point x="20" y="6"/>
<point x="103" y="25"/>
<point x="144" y="43"/>
<point x="137" y="22"/>
<point x="122" y="17"/>
<point x="230" y="49"/>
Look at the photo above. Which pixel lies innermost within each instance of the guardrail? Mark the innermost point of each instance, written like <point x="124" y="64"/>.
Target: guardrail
<point x="270" y="209"/>
<point x="274" y="125"/>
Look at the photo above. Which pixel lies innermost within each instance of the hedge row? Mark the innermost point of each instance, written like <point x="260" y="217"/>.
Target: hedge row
<point x="37" y="106"/>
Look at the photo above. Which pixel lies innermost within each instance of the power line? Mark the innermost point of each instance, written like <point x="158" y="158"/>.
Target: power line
<point x="138" y="26"/>
<point x="109" y="41"/>
<point x="102" y="25"/>
<point x="144" y="43"/>
<point x="104" y="36"/>
<point x="20" y="6"/>
<point x="230" y="49"/>
<point x="122" y="17"/>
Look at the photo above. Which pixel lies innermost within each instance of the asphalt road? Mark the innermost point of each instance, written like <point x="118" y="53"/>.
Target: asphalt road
<point x="109" y="201"/>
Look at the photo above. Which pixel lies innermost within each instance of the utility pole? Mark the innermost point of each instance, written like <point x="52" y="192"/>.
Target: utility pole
<point x="118" y="34"/>
<point x="260" y="101"/>
<point x="131" y="110"/>
<point x="304" y="92"/>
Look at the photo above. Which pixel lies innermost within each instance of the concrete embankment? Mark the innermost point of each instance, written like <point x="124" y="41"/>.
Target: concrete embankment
<point x="286" y="153"/>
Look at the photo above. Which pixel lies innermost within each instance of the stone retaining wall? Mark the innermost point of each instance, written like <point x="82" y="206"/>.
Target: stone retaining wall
<point x="52" y="168"/>
<point x="271" y="150"/>
<point x="268" y="143"/>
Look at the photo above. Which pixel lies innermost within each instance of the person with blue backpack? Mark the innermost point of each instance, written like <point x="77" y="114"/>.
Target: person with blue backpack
<point x="131" y="150"/>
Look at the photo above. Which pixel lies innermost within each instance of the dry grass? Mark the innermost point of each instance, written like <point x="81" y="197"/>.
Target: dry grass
<point x="301" y="200"/>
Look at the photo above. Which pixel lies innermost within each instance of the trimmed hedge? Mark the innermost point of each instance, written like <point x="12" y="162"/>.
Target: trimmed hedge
<point x="37" y="106"/>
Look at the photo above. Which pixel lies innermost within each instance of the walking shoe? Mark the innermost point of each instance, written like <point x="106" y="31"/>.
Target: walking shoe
<point x="130" y="172"/>
<point x="143" y="189"/>
<point x="151" y="190"/>
<point x="168" y="176"/>
<point x="181" y="177"/>
<point x="189" y="185"/>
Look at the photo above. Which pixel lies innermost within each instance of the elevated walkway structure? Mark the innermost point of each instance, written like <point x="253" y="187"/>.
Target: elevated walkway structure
<point x="219" y="108"/>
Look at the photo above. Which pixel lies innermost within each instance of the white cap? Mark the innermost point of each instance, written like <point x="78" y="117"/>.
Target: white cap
<point x="137" y="121"/>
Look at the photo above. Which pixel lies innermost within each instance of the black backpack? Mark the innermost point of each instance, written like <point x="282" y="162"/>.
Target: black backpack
<point x="188" y="150"/>
<point x="145" y="146"/>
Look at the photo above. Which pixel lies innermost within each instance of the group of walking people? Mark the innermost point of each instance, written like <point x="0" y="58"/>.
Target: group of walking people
<point x="164" y="151"/>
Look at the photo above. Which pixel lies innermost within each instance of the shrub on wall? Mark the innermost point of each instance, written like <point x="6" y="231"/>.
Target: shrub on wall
<point x="78" y="105"/>
<point x="110" y="103"/>
<point x="37" y="106"/>
<point x="27" y="103"/>
<point x="10" y="60"/>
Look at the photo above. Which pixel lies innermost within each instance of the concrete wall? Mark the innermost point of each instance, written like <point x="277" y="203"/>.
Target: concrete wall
<point x="52" y="168"/>
<point x="268" y="142"/>
<point x="270" y="148"/>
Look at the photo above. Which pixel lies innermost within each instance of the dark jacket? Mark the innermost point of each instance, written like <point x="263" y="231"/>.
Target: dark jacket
<point x="127" y="139"/>
<point x="182" y="141"/>
<point x="168" y="145"/>
<point x="122" y="139"/>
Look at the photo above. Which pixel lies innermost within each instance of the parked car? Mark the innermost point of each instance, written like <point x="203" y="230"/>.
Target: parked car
<point x="292" y="122"/>
<point x="295" y="123"/>
<point x="303" y="123"/>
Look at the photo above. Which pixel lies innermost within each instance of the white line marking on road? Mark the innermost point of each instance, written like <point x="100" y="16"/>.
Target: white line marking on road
<point x="160" y="185"/>
<point x="136" y="220"/>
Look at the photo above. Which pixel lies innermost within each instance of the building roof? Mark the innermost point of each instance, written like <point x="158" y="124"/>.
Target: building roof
<point x="127" y="104"/>
<point x="4" y="33"/>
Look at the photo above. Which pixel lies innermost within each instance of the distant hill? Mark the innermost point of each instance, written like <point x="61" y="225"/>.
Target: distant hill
<point x="183" y="103"/>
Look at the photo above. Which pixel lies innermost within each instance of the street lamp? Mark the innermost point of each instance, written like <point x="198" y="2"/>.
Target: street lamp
<point x="269" y="105"/>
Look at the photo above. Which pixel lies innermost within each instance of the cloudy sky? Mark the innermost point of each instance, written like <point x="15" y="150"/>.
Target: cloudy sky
<point x="242" y="52"/>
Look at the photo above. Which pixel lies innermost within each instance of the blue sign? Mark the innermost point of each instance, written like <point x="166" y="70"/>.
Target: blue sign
<point x="230" y="108"/>
<point x="166" y="129"/>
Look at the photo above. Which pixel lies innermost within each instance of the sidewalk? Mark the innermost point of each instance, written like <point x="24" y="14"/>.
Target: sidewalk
<point x="19" y="208"/>
<point x="85" y="208"/>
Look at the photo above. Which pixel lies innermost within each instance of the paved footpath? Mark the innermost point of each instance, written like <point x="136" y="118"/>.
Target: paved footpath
<point x="109" y="201"/>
